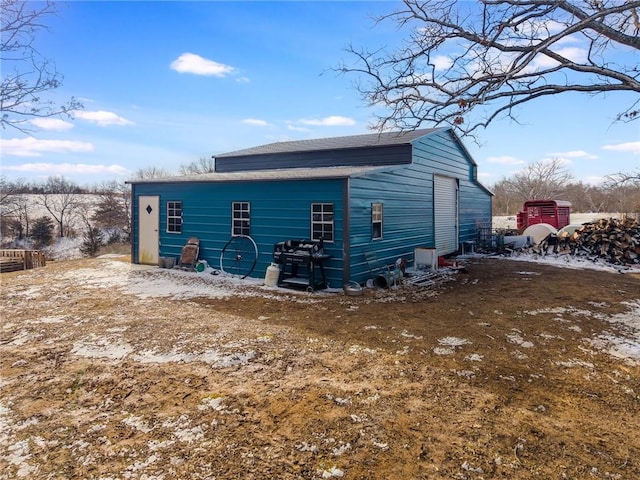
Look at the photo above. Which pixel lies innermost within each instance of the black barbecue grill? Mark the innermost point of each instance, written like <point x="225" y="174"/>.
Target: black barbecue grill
<point x="299" y="261"/>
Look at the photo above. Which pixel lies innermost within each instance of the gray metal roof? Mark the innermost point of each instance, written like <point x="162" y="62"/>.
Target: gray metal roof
<point x="262" y="175"/>
<point x="334" y="143"/>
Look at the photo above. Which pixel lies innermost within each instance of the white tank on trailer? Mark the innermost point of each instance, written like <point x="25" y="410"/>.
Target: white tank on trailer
<point x="539" y="232"/>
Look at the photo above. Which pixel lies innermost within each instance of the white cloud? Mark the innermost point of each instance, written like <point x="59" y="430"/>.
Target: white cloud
<point x="574" y="54"/>
<point x="574" y="154"/>
<point x="243" y="80"/>
<point x="55" y="124"/>
<point x="68" y="168"/>
<point x="256" y="121"/>
<point x="506" y="160"/>
<point x="633" y="147"/>
<point x="332" y="121"/>
<point x="441" y="62"/>
<point x="192" y="63"/>
<point x="102" y="118"/>
<point x="33" y="147"/>
<point x="295" y="128"/>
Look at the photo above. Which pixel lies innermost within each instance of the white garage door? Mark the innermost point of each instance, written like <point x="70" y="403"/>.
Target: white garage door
<point x="445" y="207"/>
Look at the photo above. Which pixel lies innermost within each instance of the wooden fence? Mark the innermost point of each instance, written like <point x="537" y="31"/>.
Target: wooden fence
<point x="13" y="260"/>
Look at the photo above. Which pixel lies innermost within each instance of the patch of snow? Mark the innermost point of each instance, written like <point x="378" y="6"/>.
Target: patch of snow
<point x="212" y="357"/>
<point x="306" y="447"/>
<point x="443" y="351"/>
<point x="474" y="357"/>
<point x="18" y="454"/>
<point x="100" y="347"/>
<point x="22" y="337"/>
<point x="453" y="341"/>
<point x="381" y="446"/>
<point x="341" y="450"/>
<point x="333" y="472"/>
<point x="361" y="349"/>
<point x="65" y="248"/>
<point x="624" y="345"/>
<point x="213" y="403"/>
<point x="516" y="338"/>
<point x="575" y="362"/>
<point x="406" y="334"/>
<point x="137" y="423"/>
<point x="568" y="261"/>
<point x="54" y="319"/>
<point x="189" y="435"/>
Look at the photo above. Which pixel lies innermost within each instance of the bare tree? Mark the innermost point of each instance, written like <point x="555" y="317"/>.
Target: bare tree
<point x="490" y="56"/>
<point x="151" y="172"/>
<point x="26" y="75"/>
<point x="8" y="189"/>
<point x="204" y="165"/>
<point x="622" y="178"/>
<point x="113" y="209"/>
<point x="539" y="181"/>
<point x="60" y="198"/>
<point x="14" y="207"/>
<point x="624" y="188"/>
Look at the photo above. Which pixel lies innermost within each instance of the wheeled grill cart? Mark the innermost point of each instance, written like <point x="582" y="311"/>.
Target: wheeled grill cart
<point x="300" y="263"/>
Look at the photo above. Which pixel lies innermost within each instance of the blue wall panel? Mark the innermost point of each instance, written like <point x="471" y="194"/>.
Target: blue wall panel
<point x="406" y="193"/>
<point x="380" y="155"/>
<point x="280" y="211"/>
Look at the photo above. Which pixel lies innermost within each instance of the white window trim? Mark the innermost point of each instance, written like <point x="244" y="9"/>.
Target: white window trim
<point x="175" y="232"/>
<point x="374" y="221"/>
<point x="233" y="218"/>
<point x="323" y="222"/>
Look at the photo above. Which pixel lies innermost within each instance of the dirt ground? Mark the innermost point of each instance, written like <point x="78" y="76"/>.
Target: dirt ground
<point x="499" y="372"/>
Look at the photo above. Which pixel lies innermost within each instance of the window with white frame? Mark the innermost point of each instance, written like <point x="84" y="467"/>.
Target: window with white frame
<point x="241" y="218"/>
<point x="174" y="217"/>
<point x="376" y="220"/>
<point x="322" y="222"/>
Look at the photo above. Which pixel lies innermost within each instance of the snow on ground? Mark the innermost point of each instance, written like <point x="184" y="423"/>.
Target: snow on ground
<point x="153" y="282"/>
<point x="625" y="347"/>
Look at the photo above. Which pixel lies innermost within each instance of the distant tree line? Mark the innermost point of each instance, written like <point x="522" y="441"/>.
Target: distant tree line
<point x="101" y="213"/>
<point x="37" y="213"/>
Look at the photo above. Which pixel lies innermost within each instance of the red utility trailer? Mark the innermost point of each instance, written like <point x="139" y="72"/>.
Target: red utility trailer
<point x="554" y="212"/>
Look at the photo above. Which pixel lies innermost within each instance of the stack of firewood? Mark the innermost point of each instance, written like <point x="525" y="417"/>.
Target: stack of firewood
<point x="616" y="241"/>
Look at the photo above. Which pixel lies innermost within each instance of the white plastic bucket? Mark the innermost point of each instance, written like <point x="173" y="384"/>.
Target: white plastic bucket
<point x="272" y="276"/>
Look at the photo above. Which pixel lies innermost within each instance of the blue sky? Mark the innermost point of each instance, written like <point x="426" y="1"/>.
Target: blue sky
<point x="167" y="83"/>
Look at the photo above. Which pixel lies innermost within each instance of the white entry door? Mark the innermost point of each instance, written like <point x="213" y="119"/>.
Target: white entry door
<point x="445" y="206"/>
<point x="148" y="229"/>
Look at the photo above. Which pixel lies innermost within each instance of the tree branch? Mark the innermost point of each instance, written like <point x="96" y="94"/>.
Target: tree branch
<point x="461" y="59"/>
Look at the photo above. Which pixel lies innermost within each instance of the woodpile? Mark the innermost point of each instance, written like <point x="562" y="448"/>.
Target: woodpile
<point x="613" y="240"/>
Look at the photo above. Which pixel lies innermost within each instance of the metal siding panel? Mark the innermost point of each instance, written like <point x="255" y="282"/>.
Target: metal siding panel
<point x="442" y="155"/>
<point x="475" y="210"/>
<point x="405" y="193"/>
<point x="371" y="156"/>
<point x="279" y="211"/>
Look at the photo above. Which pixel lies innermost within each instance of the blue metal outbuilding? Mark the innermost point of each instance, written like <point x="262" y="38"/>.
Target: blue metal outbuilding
<point x="386" y="194"/>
